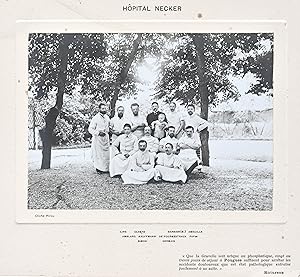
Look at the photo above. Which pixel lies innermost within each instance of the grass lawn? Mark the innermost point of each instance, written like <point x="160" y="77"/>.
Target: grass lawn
<point x="225" y="185"/>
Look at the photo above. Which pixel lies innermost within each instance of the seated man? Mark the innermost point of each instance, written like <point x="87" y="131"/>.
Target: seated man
<point x="141" y="168"/>
<point x="170" y="138"/>
<point x="169" y="167"/>
<point x="189" y="144"/>
<point x="124" y="147"/>
<point x="152" y="142"/>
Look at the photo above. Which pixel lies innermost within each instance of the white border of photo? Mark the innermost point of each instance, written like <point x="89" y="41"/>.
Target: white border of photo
<point x="280" y="139"/>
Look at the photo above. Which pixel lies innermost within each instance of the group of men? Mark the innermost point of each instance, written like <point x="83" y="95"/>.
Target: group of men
<point x="140" y="148"/>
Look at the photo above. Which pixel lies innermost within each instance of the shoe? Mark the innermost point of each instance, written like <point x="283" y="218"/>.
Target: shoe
<point x="158" y="179"/>
<point x="199" y="166"/>
<point x="99" y="171"/>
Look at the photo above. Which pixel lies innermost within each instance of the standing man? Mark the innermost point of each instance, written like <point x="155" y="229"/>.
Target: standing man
<point x="198" y="123"/>
<point x="193" y="119"/>
<point x="141" y="168"/>
<point x="169" y="167"/>
<point x="117" y="123"/>
<point x="137" y="121"/>
<point x="99" y="129"/>
<point x="124" y="146"/>
<point x="154" y="114"/>
<point x="152" y="142"/>
<point x="175" y="119"/>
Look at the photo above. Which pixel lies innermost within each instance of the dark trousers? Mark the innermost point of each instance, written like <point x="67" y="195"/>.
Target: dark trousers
<point x="198" y="152"/>
<point x="191" y="168"/>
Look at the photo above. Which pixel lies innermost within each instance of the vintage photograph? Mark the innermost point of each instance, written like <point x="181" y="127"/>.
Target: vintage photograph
<point x="150" y="121"/>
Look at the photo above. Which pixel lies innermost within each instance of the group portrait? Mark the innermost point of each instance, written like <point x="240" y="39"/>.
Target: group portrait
<point x="160" y="146"/>
<point x="150" y="121"/>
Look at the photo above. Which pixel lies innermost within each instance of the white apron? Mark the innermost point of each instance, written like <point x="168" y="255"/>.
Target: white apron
<point x="100" y="145"/>
<point x="170" y="174"/>
<point x="118" y="165"/>
<point x="135" y="177"/>
<point x="188" y="157"/>
<point x="100" y="152"/>
<point x="135" y="174"/>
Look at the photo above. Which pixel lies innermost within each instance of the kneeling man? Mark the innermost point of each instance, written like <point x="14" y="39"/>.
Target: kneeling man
<point x="169" y="167"/>
<point x="141" y="168"/>
<point x="124" y="146"/>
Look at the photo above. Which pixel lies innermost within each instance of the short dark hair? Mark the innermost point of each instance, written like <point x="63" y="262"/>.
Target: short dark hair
<point x="127" y="125"/>
<point x="171" y="127"/>
<point x="189" y="127"/>
<point x="120" y="107"/>
<point x="142" y="140"/>
<point x="169" y="144"/>
<point x="134" y="104"/>
<point x="101" y="104"/>
<point x="191" y="105"/>
<point x="154" y="103"/>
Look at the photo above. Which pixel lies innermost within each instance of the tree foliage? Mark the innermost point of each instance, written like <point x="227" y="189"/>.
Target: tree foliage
<point x="104" y="67"/>
<point x="225" y="55"/>
<point x="44" y="63"/>
<point x="102" y="78"/>
<point x="94" y="68"/>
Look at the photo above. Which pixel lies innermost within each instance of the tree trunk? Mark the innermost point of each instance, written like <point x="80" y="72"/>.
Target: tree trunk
<point x="204" y="137"/>
<point x="113" y="102"/>
<point x="124" y="73"/>
<point x="47" y="135"/>
<point x="199" y="41"/>
<point x="50" y="119"/>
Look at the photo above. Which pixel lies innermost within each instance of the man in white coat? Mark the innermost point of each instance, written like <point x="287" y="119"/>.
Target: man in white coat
<point x="169" y="167"/>
<point x="189" y="144"/>
<point x="170" y="138"/>
<point x="141" y="168"/>
<point x="198" y="123"/>
<point x="124" y="146"/>
<point x="195" y="120"/>
<point x="175" y="118"/>
<point x="152" y="142"/>
<point x="137" y="121"/>
<point x="117" y="123"/>
<point x="99" y="129"/>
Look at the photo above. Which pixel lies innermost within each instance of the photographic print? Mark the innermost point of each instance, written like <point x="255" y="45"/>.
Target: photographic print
<point x="150" y="121"/>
